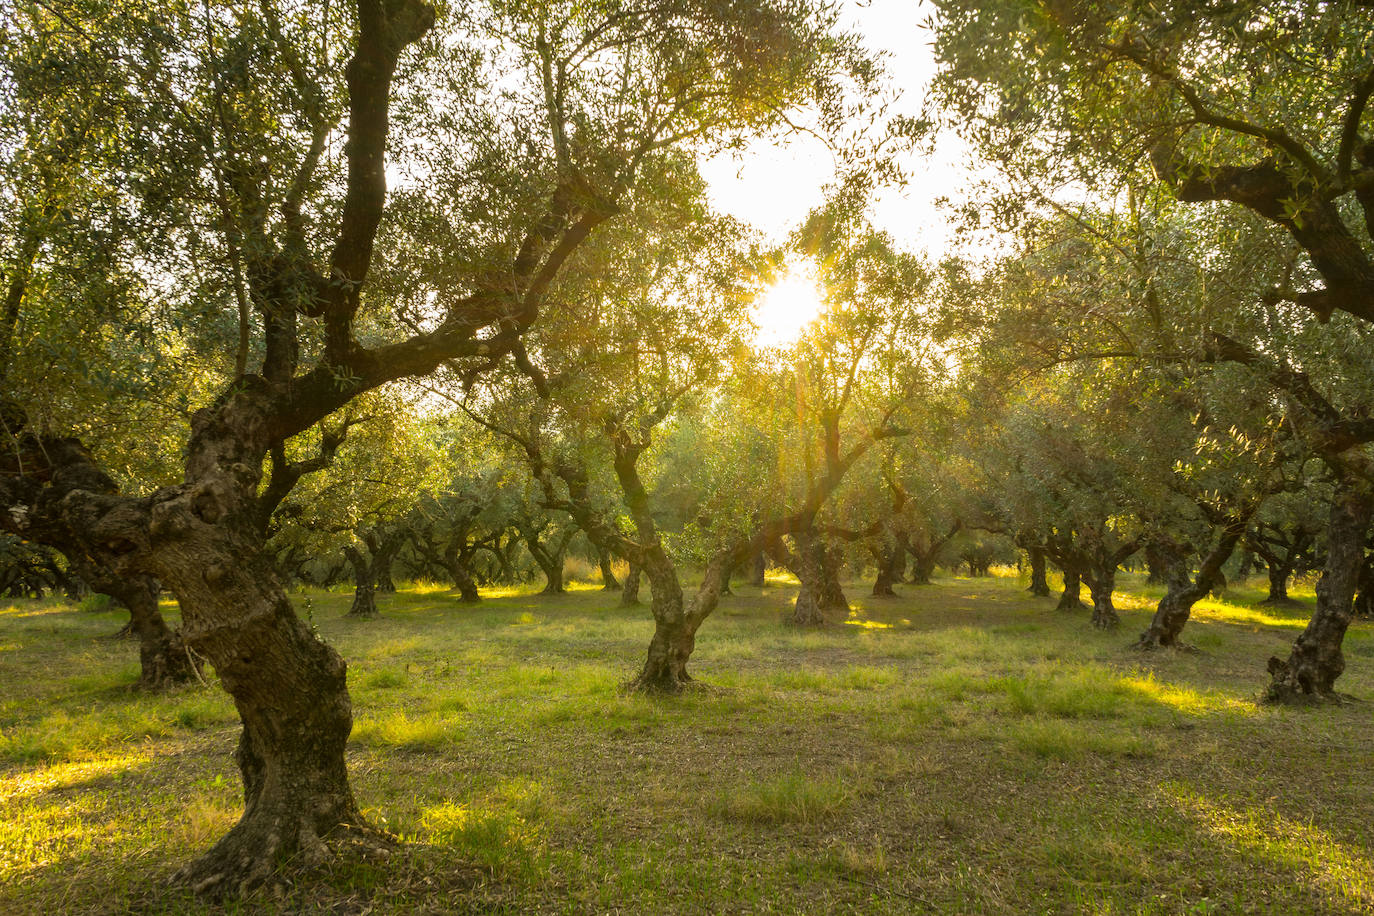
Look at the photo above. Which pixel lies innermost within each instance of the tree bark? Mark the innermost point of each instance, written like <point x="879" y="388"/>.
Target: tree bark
<point x="1101" y="585"/>
<point x="629" y="596"/>
<point x="1039" y="585"/>
<point x="675" y="625"/>
<point x="164" y="659"/>
<point x="1157" y="565"/>
<point x="758" y="577"/>
<point x="385" y="584"/>
<point x="289" y="687"/>
<point x="1279" y="574"/>
<point x="609" y="583"/>
<point x="665" y="668"/>
<point x="457" y="558"/>
<point x="1316" y="660"/>
<point x="553" y="579"/>
<point x="886" y="559"/>
<point x="463" y="581"/>
<point x="1184" y="589"/>
<point x="1364" y="595"/>
<point x="924" y="559"/>
<point x="364" y="585"/>
<point x="816" y="567"/>
<point x="389" y="540"/>
<point x="549" y="556"/>
<point x="922" y="568"/>
<point x="1070" y="599"/>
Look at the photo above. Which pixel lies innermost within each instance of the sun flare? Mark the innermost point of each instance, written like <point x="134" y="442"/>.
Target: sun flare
<point x="787" y="307"/>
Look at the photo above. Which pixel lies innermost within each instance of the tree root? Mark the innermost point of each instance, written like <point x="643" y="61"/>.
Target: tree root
<point x="1288" y="687"/>
<point x="249" y="859"/>
<point x="663" y="685"/>
<point x="1146" y="644"/>
<point x="1280" y="694"/>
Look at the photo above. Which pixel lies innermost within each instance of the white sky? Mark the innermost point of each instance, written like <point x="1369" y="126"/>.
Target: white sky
<point x="774" y="186"/>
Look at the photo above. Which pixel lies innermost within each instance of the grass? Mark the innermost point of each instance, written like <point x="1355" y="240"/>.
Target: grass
<point x="963" y="748"/>
<point x="788" y="798"/>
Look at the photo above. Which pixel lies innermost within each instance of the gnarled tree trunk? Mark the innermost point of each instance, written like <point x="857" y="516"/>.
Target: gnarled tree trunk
<point x="466" y="585"/>
<point x="922" y="567"/>
<point x="926" y="556"/>
<point x="1101" y="585"/>
<point x="1279" y="574"/>
<point x="364" y="585"/>
<point x="758" y="575"/>
<point x="164" y="659"/>
<point x="1184" y="589"/>
<point x="1364" y="595"/>
<point x="886" y="558"/>
<point x="816" y="566"/>
<point x="549" y="556"/>
<point x="1316" y="660"/>
<point x="609" y="583"/>
<point x="1039" y="585"/>
<point x="458" y="561"/>
<point x="1070" y="599"/>
<point x="629" y="595"/>
<point x="665" y="668"/>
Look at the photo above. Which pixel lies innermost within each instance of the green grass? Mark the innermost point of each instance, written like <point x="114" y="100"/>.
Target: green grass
<point x="788" y="798"/>
<point x="963" y="748"/>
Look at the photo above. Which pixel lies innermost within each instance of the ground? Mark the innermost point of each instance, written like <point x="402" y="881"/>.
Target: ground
<point x="963" y="748"/>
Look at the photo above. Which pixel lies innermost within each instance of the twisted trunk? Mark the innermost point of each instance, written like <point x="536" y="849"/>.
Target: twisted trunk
<point x="665" y="667"/>
<point x="759" y="571"/>
<point x="629" y="595"/>
<point x="164" y="659"/>
<point x="1364" y="596"/>
<point x="289" y="687"/>
<point x="1184" y="589"/>
<point x="548" y="556"/>
<point x="201" y="540"/>
<point x="457" y="559"/>
<point x="1279" y="574"/>
<point x="887" y="557"/>
<point x="609" y="583"/>
<point x="675" y="624"/>
<point x="1158" y="561"/>
<point x="1101" y="585"/>
<point x="817" y="568"/>
<point x="1316" y="660"/>
<point x="463" y="581"/>
<point x="364" y="585"/>
<point x="924" y="558"/>
<point x="1039" y="584"/>
<point x="1070" y="599"/>
<point x="922" y="568"/>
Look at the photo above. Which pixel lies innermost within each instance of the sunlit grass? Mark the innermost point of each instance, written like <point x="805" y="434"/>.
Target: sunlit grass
<point x="1189" y="700"/>
<point x="1343" y="873"/>
<point x="1252" y="616"/>
<point x="401" y="731"/>
<point x="788" y="798"/>
<point x="28" y="782"/>
<point x="970" y="747"/>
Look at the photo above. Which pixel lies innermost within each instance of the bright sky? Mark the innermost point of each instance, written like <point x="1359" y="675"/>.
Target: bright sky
<point x="774" y="185"/>
<point x="787" y="307"/>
